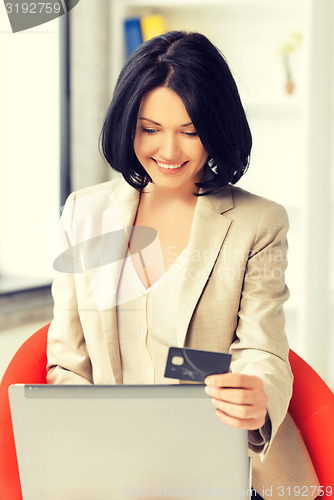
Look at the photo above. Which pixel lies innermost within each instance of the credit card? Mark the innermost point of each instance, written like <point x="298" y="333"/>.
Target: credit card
<point x="194" y="364"/>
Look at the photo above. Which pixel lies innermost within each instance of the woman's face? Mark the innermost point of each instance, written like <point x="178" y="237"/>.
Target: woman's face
<point x="166" y="142"/>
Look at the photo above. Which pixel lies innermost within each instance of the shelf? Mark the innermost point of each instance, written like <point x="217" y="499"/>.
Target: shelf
<point x="199" y="3"/>
<point x="15" y="284"/>
<point x="26" y="306"/>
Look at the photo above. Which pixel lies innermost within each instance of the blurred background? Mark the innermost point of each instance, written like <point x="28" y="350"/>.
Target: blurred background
<point x="57" y="81"/>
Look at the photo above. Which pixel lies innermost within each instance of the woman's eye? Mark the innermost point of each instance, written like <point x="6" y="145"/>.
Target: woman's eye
<point x="191" y="134"/>
<point x="148" y="130"/>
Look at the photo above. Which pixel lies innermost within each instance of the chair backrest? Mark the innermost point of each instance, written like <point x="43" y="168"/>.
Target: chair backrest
<point x="28" y="366"/>
<point x="312" y="409"/>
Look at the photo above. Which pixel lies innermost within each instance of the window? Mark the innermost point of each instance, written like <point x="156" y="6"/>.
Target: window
<point x="29" y="151"/>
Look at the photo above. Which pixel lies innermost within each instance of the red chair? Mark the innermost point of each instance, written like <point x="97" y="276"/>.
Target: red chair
<point x="28" y="366"/>
<point x="311" y="407"/>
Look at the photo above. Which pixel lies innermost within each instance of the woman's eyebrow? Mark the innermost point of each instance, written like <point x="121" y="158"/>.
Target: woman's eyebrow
<point x="148" y="120"/>
<point x="156" y="123"/>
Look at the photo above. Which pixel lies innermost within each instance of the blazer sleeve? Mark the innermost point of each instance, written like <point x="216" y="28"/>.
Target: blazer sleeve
<point x="261" y="347"/>
<point x="68" y="360"/>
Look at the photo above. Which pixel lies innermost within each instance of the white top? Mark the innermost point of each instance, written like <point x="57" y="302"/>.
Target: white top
<point x="145" y="338"/>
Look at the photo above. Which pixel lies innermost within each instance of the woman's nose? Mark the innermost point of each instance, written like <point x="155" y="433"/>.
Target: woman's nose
<point x="169" y="148"/>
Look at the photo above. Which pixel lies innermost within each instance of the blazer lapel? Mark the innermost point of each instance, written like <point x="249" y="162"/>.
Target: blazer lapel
<point x="208" y="232"/>
<point x="117" y="217"/>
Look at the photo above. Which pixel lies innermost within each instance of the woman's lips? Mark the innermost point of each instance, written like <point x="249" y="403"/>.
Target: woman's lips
<point x="169" y="168"/>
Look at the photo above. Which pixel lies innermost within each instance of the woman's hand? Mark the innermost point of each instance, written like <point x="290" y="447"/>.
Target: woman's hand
<point x="240" y="399"/>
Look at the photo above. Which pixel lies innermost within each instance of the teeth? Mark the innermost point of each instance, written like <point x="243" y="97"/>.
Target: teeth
<point x="164" y="165"/>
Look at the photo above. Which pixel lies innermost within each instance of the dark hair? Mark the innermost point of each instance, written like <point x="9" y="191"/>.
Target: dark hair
<point x="190" y="65"/>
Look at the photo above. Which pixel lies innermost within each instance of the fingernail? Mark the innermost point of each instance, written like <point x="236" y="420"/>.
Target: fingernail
<point x="208" y="390"/>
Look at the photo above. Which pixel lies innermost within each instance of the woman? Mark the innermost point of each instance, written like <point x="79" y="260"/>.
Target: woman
<point x="171" y="253"/>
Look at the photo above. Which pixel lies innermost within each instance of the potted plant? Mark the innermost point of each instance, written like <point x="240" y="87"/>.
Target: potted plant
<point x="286" y="49"/>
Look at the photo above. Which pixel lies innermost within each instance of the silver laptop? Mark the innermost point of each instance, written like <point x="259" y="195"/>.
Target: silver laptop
<point x="118" y="442"/>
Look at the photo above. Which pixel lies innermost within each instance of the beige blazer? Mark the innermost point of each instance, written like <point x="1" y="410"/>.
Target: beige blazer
<point x="232" y="296"/>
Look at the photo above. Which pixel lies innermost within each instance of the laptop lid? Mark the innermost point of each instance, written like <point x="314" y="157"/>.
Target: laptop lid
<point x="117" y="442"/>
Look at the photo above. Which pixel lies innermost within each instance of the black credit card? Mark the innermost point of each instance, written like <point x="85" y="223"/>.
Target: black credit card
<point x="193" y="364"/>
